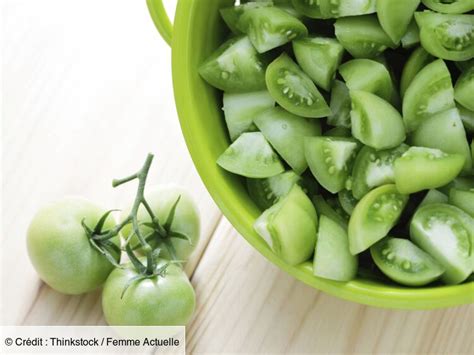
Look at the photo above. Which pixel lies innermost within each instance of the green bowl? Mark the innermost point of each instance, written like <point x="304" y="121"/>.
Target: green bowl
<point x="198" y="30"/>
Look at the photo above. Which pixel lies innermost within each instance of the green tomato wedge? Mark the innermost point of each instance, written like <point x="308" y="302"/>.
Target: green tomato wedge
<point x="329" y="159"/>
<point x="235" y="67"/>
<point x="395" y="16"/>
<point x="309" y="8"/>
<point x="445" y="232"/>
<point x="347" y="201"/>
<point x="429" y="92"/>
<point x="270" y="27"/>
<point x="374" y="168"/>
<point x="289" y="227"/>
<point x="362" y="36"/>
<point x="467" y="118"/>
<point x="463" y="183"/>
<point x="332" y="259"/>
<point x="241" y="108"/>
<point x="417" y="61"/>
<point x="405" y="263"/>
<point x="324" y="208"/>
<point x="445" y="132"/>
<point x="449" y="6"/>
<point x="449" y="37"/>
<point x="344" y="8"/>
<point x="375" y="122"/>
<point x="294" y="90"/>
<point x="434" y="196"/>
<point x="412" y="35"/>
<point x="463" y="199"/>
<point x="374" y="216"/>
<point x="232" y="14"/>
<point x="319" y="57"/>
<point x="251" y="156"/>
<point x="285" y="132"/>
<point x="340" y="105"/>
<point x="266" y="192"/>
<point x="368" y="75"/>
<point x="426" y="168"/>
<point x="464" y="88"/>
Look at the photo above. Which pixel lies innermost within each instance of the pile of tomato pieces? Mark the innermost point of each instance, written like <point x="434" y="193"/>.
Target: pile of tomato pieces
<point x="352" y="122"/>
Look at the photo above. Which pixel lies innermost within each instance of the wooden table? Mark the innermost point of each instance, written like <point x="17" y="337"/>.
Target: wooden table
<point x="87" y="92"/>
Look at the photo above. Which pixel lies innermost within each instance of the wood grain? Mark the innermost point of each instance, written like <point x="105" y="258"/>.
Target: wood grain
<point x="86" y="92"/>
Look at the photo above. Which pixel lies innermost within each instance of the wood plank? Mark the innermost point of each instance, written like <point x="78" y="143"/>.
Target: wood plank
<point x="246" y="304"/>
<point x="83" y="105"/>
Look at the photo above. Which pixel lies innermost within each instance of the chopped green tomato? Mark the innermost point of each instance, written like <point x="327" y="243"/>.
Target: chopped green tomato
<point x="445" y="232"/>
<point x="374" y="168"/>
<point x="449" y="37"/>
<point x="434" y="196"/>
<point x="412" y="36"/>
<point x="286" y="133"/>
<point x="325" y="209"/>
<point x="429" y="92"/>
<point x="445" y="132"/>
<point x="241" y="108"/>
<point x="426" y="168"/>
<point x="270" y="27"/>
<point x="417" y="61"/>
<point x="340" y="105"/>
<point x="232" y="14"/>
<point x="344" y="8"/>
<point x="310" y="8"/>
<point x="266" y="192"/>
<point x="251" y="156"/>
<point x="464" y="88"/>
<point x="362" y="36"/>
<point x="329" y="159"/>
<point x="290" y="227"/>
<point x="462" y="183"/>
<point x="338" y="132"/>
<point x="367" y="75"/>
<point x="235" y="67"/>
<point x="405" y="263"/>
<point x="395" y="16"/>
<point x="347" y="201"/>
<point x="294" y="90"/>
<point x="374" y="216"/>
<point x="463" y="199"/>
<point x="332" y="259"/>
<point x="319" y="57"/>
<point x="450" y="6"/>
<point x="375" y="122"/>
<point x="467" y="118"/>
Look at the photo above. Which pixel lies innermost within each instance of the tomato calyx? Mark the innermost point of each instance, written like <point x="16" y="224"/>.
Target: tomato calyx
<point x="100" y="239"/>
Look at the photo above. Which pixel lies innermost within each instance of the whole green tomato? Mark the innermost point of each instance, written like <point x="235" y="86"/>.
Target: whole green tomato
<point x="60" y="250"/>
<point x="161" y="300"/>
<point x="186" y="219"/>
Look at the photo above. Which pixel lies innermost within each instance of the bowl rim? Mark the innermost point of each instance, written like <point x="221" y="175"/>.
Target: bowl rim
<point x="360" y="291"/>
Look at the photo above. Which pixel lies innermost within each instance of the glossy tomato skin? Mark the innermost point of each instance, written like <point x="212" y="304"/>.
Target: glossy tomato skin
<point x="161" y="198"/>
<point x="167" y="300"/>
<point x="60" y="250"/>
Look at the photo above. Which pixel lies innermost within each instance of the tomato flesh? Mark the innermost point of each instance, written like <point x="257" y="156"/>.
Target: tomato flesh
<point x="405" y="263"/>
<point x="286" y="133"/>
<point x="417" y="61"/>
<point x="294" y="90"/>
<point x="449" y="6"/>
<point x="332" y="259"/>
<point x="289" y="227"/>
<point x="464" y="88"/>
<point x="395" y="15"/>
<point x="329" y="159"/>
<point x="374" y="216"/>
<point x="445" y="232"/>
<point x="426" y="168"/>
<point x="235" y="67"/>
<point x="251" y="156"/>
<point x="340" y="105"/>
<point x="463" y="199"/>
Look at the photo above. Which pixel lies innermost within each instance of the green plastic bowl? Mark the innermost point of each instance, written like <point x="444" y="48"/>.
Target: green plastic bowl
<point x="198" y="30"/>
